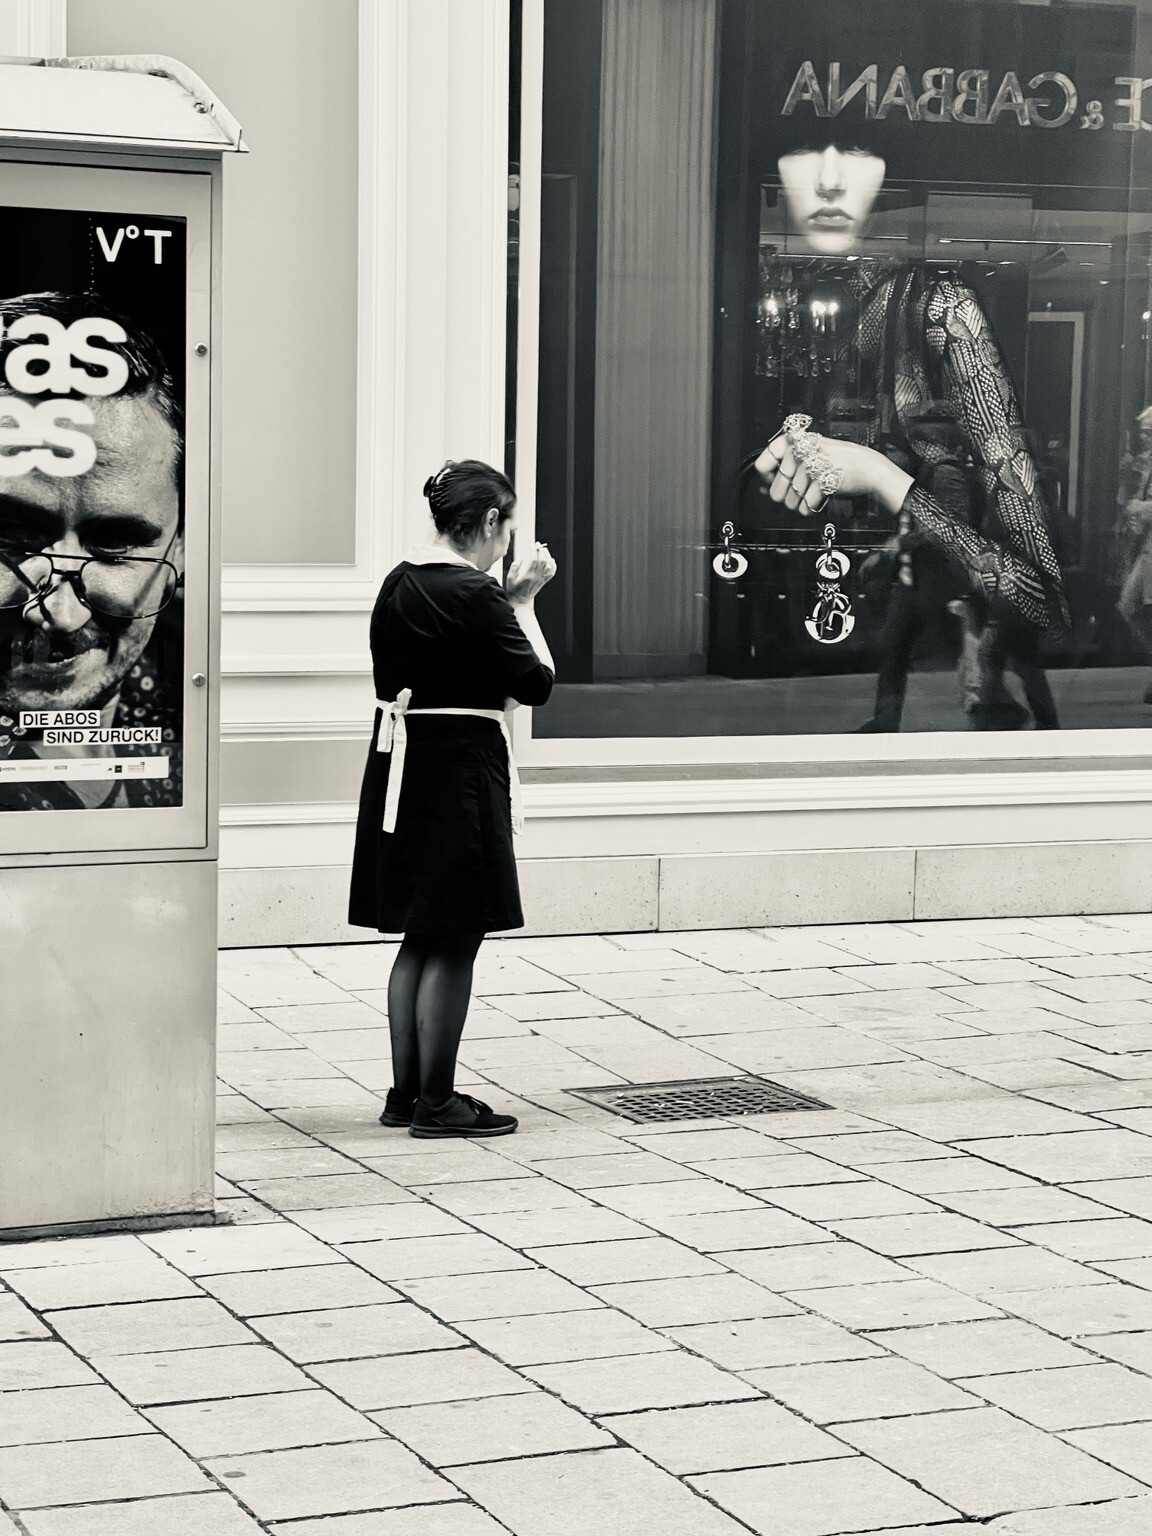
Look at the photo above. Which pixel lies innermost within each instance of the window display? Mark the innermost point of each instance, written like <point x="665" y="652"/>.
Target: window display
<point x="874" y="452"/>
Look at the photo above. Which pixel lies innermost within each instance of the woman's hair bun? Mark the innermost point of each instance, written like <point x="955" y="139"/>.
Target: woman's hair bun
<point x="460" y="494"/>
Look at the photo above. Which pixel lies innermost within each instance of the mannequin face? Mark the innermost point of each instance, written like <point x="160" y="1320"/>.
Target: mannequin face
<point x="830" y="194"/>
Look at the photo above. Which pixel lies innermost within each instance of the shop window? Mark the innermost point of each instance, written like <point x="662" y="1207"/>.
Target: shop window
<point x="926" y="228"/>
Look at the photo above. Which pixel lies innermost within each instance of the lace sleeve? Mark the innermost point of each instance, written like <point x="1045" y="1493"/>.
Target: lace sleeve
<point x="1012" y="561"/>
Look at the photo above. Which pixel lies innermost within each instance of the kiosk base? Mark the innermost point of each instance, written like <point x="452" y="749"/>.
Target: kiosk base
<point x="107" y="1044"/>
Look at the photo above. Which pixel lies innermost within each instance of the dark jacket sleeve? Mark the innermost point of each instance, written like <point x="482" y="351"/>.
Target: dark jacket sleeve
<point x="522" y="675"/>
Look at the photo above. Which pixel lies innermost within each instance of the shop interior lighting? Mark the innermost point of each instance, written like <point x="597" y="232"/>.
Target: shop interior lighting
<point x="1100" y="245"/>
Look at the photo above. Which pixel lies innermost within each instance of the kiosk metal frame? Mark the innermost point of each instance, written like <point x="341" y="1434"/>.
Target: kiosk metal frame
<point x="108" y="916"/>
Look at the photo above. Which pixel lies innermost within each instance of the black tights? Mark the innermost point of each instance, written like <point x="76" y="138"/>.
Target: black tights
<point x="428" y="995"/>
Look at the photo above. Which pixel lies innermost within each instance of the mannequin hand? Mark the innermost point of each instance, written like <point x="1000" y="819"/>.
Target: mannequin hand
<point x="526" y="577"/>
<point x="865" y="473"/>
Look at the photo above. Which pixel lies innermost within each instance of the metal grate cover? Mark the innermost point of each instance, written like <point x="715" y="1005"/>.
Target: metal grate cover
<point x="705" y="1098"/>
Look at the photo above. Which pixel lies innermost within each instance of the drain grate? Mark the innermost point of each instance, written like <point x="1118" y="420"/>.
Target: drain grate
<point x="703" y="1098"/>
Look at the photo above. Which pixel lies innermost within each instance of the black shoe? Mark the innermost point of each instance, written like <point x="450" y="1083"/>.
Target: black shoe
<point x="397" y="1109"/>
<point x="460" y="1116"/>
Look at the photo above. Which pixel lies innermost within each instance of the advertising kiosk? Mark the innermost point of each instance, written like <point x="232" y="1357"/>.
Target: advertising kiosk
<point x="110" y="181"/>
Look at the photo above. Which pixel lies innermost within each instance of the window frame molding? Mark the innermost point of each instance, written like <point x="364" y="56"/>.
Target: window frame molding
<point x="824" y="753"/>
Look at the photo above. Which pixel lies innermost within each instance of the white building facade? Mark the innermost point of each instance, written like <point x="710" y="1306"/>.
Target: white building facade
<point x="384" y="312"/>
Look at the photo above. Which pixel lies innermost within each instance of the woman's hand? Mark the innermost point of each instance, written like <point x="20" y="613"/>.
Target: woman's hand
<point x="526" y="577"/>
<point x="863" y="471"/>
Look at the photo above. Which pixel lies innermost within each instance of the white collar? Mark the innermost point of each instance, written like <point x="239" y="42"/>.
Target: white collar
<point x="436" y="554"/>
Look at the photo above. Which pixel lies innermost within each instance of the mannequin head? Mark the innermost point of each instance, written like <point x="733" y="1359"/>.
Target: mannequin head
<point x="830" y="193"/>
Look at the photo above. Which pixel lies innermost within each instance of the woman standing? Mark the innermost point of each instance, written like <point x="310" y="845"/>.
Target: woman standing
<point x="451" y="649"/>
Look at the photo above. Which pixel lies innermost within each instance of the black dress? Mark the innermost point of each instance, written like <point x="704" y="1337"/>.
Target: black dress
<point x="447" y="632"/>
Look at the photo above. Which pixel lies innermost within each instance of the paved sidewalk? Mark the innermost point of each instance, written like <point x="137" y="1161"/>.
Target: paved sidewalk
<point x="925" y="1310"/>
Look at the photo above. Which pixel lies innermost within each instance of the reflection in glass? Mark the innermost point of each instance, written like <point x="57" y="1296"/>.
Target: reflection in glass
<point x="970" y="302"/>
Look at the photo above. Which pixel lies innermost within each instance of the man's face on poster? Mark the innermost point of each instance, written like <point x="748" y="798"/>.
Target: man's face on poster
<point x="830" y="193"/>
<point x="76" y="631"/>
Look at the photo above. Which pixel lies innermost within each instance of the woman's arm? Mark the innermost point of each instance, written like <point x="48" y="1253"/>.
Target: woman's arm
<point x="1017" y="568"/>
<point x="530" y="628"/>
<point x="520" y="657"/>
<point x="534" y="686"/>
<point x="525" y="578"/>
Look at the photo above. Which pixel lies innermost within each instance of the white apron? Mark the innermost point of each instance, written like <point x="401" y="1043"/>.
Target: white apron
<point x="393" y="738"/>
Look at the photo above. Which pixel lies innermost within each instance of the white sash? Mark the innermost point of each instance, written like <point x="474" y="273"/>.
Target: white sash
<point x="393" y="738"/>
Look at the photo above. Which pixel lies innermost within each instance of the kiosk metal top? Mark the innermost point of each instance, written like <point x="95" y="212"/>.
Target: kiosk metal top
<point x="141" y="101"/>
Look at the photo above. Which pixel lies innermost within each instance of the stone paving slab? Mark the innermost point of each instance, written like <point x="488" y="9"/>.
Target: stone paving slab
<point x="66" y="1413"/>
<point x="820" y="1500"/>
<point x="983" y="1462"/>
<point x="191" y="1375"/>
<point x="273" y="1422"/>
<point x="435" y="1520"/>
<point x="1071" y="1397"/>
<point x="138" y="1328"/>
<point x="1120" y="1517"/>
<point x="88" y="1471"/>
<point x="41" y="1364"/>
<point x="724" y="1437"/>
<point x="206" y="1514"/>
<point x="600" y="1493"/>
<point x="492" y="1429"/>
<point x="879" y="1387"/>
<point x="330" y="1479"/>
<point x="550" y="1339"/>
<point x="926" y="1306"/>
<point x="406" y="1381"/>
<point x="144" y="1279"/>
<point x="18" y="1321"/>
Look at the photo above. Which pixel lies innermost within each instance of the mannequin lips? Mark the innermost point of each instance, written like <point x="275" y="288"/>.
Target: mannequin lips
<point x="831" y="218"/>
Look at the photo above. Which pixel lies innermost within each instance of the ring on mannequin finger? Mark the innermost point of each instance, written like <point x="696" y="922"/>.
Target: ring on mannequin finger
<point x="813" y="500"/>
<point x="811" y="453"/>
<point x="801" y="484"/>
<point x="785" y="473"/>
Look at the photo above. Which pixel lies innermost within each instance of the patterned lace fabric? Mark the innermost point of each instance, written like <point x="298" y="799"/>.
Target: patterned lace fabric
<point x="911" y="362"/>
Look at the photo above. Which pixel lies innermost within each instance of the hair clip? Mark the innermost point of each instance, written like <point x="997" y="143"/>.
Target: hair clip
<point x="431" y="485"/>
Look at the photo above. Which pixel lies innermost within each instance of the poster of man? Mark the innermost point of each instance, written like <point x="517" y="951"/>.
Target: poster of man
<point x="91" y="510"/>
